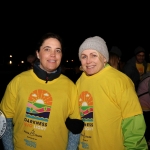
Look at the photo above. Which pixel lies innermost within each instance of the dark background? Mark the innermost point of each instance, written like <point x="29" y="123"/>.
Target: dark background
<point x="123" y="24"/>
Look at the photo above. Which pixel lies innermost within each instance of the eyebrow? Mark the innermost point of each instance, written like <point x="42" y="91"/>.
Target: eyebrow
<point x="50" y="47"/>
<point x="140" y="54"/>
<point x="90" y="53"/>
<point x="46" y="47"/>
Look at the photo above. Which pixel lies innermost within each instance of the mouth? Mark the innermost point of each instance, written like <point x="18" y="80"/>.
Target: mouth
<point x="51" y="61"/>
<point x="89" y="67"/>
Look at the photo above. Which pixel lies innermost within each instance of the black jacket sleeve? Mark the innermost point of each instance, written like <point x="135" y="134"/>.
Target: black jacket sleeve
<point x="74" y="125"/>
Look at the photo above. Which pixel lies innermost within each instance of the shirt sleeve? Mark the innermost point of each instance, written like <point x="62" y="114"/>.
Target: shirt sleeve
<point x="74" y="104"/>
<point x="129" y="106"/>
<point x="8" y="101"/>
<point x="133" y="131"/>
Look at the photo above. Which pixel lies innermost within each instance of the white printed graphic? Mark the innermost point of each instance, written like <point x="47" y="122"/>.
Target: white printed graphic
<point x="2" y="123"/>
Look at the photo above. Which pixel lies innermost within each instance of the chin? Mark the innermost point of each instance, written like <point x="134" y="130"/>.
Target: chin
<point x="90" y="73"/>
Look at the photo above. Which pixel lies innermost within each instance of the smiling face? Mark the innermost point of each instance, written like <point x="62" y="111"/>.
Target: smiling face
<point x="92" y="61"/>
<point x="50" y="54"/>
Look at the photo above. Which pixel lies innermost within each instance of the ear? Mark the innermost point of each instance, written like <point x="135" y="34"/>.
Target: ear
<point x="105" y="61"/>
<point x="37" y="54"/>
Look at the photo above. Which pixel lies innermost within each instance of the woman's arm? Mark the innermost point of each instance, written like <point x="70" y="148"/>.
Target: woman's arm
<point x="133" y="130"/>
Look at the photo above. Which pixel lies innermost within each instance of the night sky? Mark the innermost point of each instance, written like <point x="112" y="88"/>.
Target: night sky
<point x="124" y="25"/>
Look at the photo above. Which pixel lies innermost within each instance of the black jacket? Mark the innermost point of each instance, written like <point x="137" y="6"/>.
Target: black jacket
<point x="131" y="71"/>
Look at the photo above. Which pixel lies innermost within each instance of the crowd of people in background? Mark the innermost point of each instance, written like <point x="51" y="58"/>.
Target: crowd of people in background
<point x="100" y="75"/>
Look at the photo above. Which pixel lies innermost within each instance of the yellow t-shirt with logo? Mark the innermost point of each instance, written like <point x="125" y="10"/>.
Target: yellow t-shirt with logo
<point x="105" y="99"/>
<point x="39" y="111"/>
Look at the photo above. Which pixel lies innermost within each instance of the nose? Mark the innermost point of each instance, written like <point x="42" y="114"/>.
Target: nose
<point x="52" y="53"/>
<point x="88" y="60"/>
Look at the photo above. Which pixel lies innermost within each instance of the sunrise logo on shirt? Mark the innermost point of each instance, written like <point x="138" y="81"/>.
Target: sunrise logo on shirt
<point x="86" y="106"/>
<point x="39" y="105"/>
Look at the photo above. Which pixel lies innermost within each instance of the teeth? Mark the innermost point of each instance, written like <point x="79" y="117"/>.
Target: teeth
<point x="51" y="60"/>
<point x="89" y="66"/>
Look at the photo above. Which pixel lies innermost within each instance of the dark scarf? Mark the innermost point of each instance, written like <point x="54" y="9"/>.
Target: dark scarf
<point x="44" y="75"/>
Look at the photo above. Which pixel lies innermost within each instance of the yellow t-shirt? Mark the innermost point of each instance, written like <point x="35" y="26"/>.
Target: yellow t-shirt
<point x="148" y="67"/>
<point x="140" y="68"/>
<point x="39" y="111"/>
<point x="105" y="99"/>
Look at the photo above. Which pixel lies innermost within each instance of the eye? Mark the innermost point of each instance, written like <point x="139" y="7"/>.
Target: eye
<point x="83" y="56"/>
<point x="94" y="55"/>
<point x="58" y="50"/>
<point x="46" y="49"/>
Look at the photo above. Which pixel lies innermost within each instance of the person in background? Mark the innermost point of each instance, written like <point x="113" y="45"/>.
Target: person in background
<point x="41" y="104"/>
<point x="115" y="58"/>
<point x="109" y="105"/>
<point x="136" y="66"/>
<point x="143" y="93"/>
<point x="148" y="63"/>
<point x="30" y="61"/>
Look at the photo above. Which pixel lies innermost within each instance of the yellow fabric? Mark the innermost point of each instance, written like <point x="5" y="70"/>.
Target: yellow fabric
<point x="39" y="111"/>
<point x="105" y="99"/>
<point x="148" y="67"/>
<point x="140" y="68"/>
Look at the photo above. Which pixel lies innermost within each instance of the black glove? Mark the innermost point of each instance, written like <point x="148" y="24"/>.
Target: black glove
<point x="74" y="125"/>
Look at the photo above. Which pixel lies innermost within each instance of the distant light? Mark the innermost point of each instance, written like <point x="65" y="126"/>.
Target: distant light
<point x="66" y="60"/>
<point x="10" y="62"/>
<point x="22" y="61"/>
<point x="72" y="60"/>
<point x="10" y="55"/>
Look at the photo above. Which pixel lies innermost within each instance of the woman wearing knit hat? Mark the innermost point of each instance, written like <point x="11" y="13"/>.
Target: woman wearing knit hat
<point x="109" y="106"/>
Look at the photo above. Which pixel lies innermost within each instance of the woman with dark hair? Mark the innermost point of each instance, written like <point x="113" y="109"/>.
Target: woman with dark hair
<point x="41" y="104"/>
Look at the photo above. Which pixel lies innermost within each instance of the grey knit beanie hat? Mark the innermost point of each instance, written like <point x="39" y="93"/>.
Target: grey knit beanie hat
<point x="95" y="43"/>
